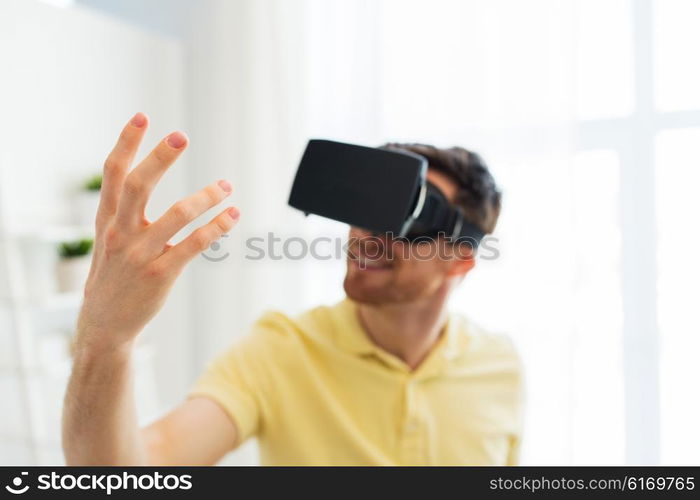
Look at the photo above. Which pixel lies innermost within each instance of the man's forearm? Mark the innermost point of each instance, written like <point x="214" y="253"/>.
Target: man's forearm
<point x="133" y="269"/>
<point x="99" y="421"/>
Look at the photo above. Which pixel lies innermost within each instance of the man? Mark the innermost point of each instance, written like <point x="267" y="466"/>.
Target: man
<point x="385" y="377"/>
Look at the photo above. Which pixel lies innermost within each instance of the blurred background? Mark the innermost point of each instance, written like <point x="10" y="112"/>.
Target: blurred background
<point x="587" y="111"/>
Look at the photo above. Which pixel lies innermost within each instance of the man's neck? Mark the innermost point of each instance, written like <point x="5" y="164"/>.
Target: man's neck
<point x="406" y="330"/>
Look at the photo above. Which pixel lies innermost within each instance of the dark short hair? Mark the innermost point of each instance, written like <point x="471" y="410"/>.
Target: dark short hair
<point x="478" y="195"/>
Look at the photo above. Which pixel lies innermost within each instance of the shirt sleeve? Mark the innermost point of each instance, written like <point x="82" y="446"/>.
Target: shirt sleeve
<point x="514" y="451"/>
<point x="235" y="379"/>
<point x="224" y="382"/>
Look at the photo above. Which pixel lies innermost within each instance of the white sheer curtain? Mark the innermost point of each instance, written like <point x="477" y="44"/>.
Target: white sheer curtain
<point x="515" y="81"/>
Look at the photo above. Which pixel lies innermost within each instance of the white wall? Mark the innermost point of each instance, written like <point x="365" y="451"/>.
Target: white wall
<point x="70" y="79"/>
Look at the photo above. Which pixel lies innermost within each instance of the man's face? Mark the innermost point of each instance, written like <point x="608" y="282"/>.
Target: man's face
<point x="382" y="271"/>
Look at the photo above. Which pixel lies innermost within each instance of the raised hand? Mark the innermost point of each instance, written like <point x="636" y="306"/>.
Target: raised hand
<point x="134" y="265"/>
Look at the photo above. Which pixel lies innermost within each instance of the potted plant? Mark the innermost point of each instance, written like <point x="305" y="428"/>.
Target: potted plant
<point x="87" y="200"/>
<point x="74" y="264"/>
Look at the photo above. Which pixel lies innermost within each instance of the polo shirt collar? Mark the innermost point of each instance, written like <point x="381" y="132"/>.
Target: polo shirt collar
<point x="351" y="336"/>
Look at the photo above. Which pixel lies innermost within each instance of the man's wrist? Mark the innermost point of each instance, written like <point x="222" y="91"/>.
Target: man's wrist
<point x="93" y="345"/>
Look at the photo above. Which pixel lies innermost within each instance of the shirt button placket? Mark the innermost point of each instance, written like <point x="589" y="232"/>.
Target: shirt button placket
<point x="412" y="432"/>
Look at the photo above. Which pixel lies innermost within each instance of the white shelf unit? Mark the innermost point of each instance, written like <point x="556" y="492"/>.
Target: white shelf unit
<point x="39" y="363"/>
<point x="41" y="329"/>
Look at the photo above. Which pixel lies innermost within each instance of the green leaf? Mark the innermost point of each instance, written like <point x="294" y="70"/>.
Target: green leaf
<point x="78" y="248"/>
<point x="94" y="183"/>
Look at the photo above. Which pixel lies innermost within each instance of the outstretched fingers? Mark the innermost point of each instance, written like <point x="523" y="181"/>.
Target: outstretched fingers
<point x="200" y="239"/>
<point x="140" y="182"/>
<point x="185" y="211"/>
<point x="117" y="165"/>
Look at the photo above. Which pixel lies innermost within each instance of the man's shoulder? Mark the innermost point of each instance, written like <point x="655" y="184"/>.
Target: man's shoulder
<point x="472" y="339"/>
<point x="315" y="323"/>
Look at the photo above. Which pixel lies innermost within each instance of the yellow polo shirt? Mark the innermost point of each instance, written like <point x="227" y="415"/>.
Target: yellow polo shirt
<point x="315" y="390"/>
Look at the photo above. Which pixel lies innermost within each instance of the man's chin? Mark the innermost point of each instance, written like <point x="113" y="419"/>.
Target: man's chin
<point x="363" y="294"/>
<point x="358" y="290"/>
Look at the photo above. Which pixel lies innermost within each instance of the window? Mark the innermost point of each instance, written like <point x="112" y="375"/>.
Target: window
<point x="677" y="179"/>
<point x="676" y="39"/>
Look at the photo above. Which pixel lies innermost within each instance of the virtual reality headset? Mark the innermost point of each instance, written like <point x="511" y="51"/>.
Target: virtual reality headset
<point x="380" y="190"/>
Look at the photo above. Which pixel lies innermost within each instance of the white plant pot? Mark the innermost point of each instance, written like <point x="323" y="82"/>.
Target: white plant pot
<point x="39" y="259"/>
<point x="86" y="203"/>
<point x="71" y="273"/>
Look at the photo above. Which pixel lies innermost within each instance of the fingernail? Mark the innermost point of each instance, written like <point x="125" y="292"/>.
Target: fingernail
<point x="176" y="140"/>
<point x="225" y="185"/>
<point x="233" y="213"/>
<point x="139" y="120"/>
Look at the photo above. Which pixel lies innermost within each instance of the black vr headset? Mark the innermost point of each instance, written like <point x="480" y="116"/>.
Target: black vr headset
<point x="379" y="190"/>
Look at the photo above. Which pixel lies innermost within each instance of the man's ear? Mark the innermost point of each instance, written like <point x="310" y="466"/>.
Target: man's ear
<point x="461" y="263"/>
